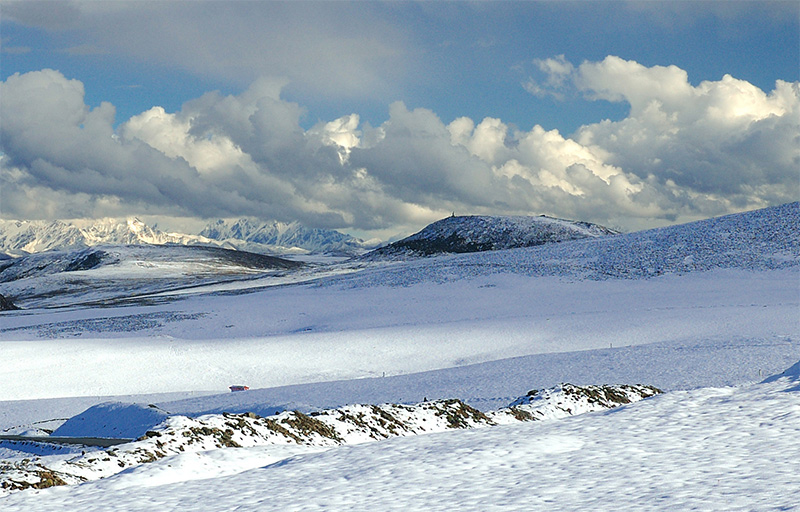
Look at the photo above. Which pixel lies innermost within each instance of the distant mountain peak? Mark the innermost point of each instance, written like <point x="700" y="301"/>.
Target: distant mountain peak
<point x="136" y="225"/>
<point x="251" y="234"/>
<point x="18" y="238"/>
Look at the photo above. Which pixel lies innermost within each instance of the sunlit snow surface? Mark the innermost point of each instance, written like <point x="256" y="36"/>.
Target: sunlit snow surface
<point x="690" y="309"/>
<point x="710" y="449"/>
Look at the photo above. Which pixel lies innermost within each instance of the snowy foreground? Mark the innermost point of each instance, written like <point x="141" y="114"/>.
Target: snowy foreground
<point x="711" y="449"/>
<point x="704" y="312"/>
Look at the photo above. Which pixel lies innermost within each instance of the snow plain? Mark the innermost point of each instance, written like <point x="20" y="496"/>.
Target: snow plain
<point x="704" y="311"/>
<point x="304" y="334"/>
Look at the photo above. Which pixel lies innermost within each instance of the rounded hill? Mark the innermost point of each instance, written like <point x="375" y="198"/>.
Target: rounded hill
<point x="475" y="233"/>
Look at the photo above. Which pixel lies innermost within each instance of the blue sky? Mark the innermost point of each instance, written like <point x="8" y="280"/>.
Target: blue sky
<point x="519" y="63"/>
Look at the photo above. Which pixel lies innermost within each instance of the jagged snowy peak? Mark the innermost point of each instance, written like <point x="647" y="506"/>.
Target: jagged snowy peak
<point x="484" y="233"/>
<point x="23" y="237"/>
<point x="19" y="238"/>
<point x="134" y="232"/>
<point x="283" y="237"/>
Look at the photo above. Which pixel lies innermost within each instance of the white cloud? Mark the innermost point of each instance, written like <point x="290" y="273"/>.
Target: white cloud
<point x="683" y="152"/>
<point x="616" y="79"/>
<point x="342" y="134"/>
<point x="557" y="71"/>
<point x="171" y="135"/>
<point x="218" y="156"/>
<point x="489" y="141"/>
<point x="724" y="139"/>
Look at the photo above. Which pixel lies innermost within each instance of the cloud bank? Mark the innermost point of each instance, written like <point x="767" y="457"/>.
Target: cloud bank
<point x="683" y="152"/>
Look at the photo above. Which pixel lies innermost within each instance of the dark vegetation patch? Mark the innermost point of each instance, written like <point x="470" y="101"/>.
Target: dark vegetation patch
<point x="6" y="304"/>
<point x="388" y="421"/>
<point x="46" y="477"/>
<point x="245" y="259"/>
<point x="307" y="425"/>
<point x="223" y="438"/>
<point x="610" y="395"/>
<point x="452" y="243"/>
<point x="457" y="414"/>
<point x="86" y="261"/>
<point x="521" y="415"/>
<point x="127" y="323"/>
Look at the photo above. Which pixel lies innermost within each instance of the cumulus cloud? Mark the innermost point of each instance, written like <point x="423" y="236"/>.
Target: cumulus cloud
<point x="725" y="139"/>
<point x="683" y="152"/>
<point x="220" y="156"/>
<point x="50" y="133"/>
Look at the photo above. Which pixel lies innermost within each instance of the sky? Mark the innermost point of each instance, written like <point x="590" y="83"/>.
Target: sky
<point x="378" y="118"/>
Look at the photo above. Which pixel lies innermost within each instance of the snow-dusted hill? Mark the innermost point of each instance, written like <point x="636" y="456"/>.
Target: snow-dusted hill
<point x="755" y="240"/>
<point x="482" y="233"/>
<point x="102" y="274"/>
<point x="19" y="238"/>
<point x="281" y="237"/>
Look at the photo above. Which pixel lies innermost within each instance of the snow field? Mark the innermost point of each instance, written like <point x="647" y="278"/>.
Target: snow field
<point x="296" y="335"/>
<point x="711" y="449"/>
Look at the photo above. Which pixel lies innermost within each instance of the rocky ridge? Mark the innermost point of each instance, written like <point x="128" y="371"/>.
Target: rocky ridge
<point x="344" y="425"/>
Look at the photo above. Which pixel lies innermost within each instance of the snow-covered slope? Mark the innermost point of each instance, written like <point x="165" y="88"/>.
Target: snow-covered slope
<point x="722" y="449"/>
<point x="107" y="273"/>
<point x="691" y="309"/>
<point x="160" y="436"/>
<point x="282" y="237"/>
<point x="483" y="233"/>
<point x="112" y="420"/>
<point x="756" y="240"/>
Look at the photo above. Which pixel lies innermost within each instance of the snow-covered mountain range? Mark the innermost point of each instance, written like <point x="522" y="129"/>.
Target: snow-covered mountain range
<point x="283" y="238"/>
<point x="757" y="240"/>
<point x="18" y="238"/>
<point x="454" y="234"/>
<point x="486" y="233"/>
